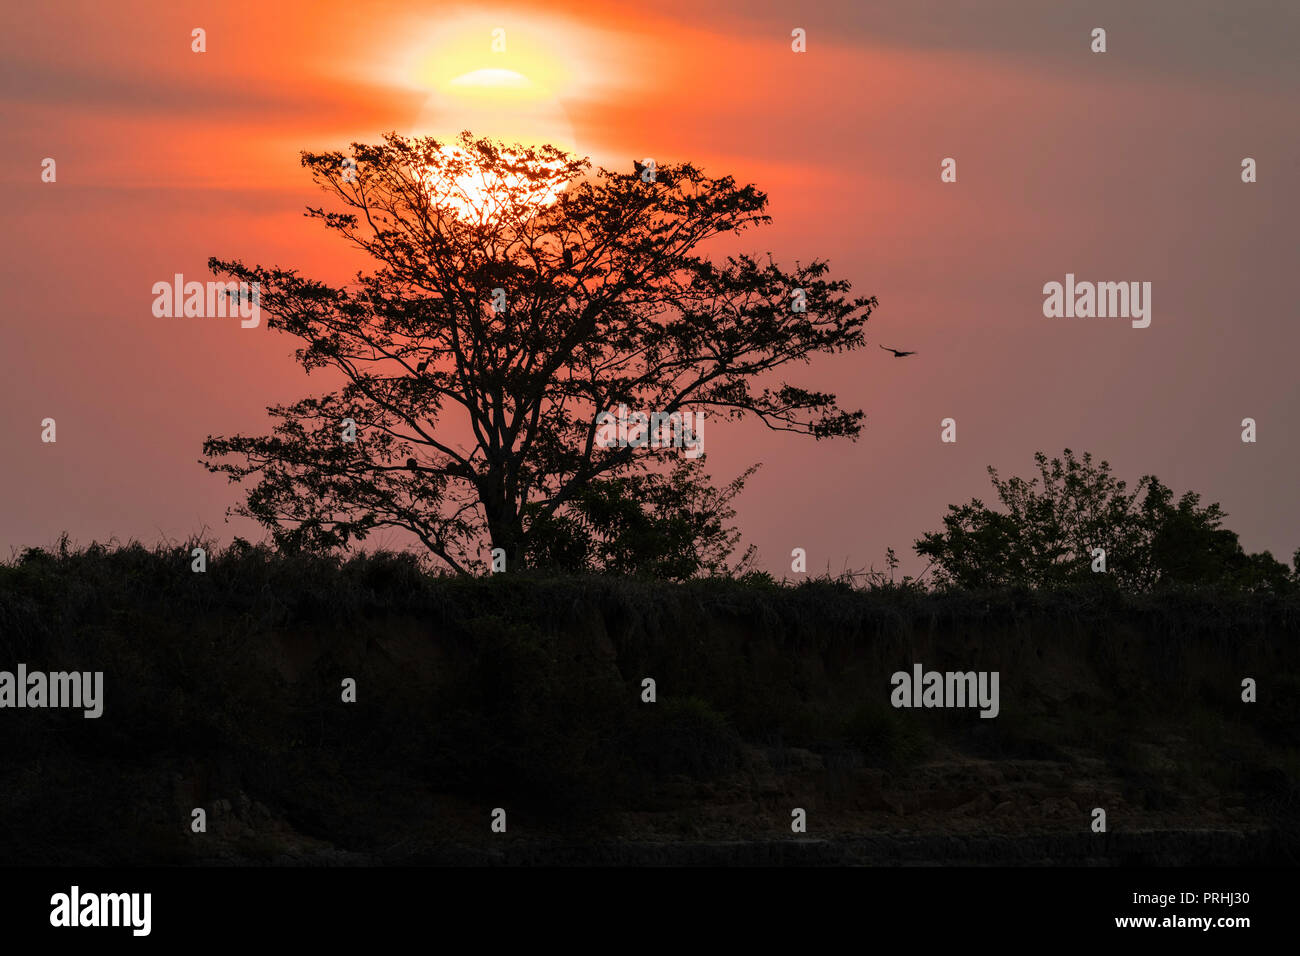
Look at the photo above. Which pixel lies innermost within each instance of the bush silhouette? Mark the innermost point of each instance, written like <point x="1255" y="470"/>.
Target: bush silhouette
<point x="1052" y="524"/>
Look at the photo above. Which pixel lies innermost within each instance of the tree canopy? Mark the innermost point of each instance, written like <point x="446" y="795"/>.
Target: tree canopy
<point x="517" y="295"/>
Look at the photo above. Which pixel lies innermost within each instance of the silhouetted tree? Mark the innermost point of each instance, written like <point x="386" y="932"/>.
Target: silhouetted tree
<point x="609" y="298"/>
<point x="1051" y="524"/>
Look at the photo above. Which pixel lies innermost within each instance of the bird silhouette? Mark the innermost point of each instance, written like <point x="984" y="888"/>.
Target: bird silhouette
<point x="422" y="366"/>
<point x="897" y="353"/>
<point x="412" y="464"/>
<point x="568" y="258"/>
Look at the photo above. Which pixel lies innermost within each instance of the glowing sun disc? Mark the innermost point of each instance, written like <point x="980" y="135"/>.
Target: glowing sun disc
<point x="503" y="105"/>
<point x="478" y="194"/>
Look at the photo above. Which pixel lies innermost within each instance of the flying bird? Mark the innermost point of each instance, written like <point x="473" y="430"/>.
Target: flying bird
<point x="897" y="353"/>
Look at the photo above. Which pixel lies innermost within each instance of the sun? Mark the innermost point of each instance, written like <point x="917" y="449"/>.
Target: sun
<point x="479" y="195"/>
<point x="507" y="106"/>
<point x="503" y="104"/>
<point x="493" y="79"/>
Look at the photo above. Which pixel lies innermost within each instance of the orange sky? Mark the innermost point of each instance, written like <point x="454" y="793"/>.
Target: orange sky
<point x="1122" y="166"/>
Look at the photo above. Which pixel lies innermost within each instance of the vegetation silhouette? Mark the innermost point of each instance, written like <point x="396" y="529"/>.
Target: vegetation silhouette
<point x="526" y="692"/>
<point x="518" y="295"/>
<point x="1052" y="524"/>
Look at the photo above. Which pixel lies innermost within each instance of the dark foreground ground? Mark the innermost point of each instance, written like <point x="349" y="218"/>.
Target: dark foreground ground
<point x="223" y="691"/>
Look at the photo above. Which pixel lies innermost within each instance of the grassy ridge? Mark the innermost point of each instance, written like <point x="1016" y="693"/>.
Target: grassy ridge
<point x="222" y="690"/>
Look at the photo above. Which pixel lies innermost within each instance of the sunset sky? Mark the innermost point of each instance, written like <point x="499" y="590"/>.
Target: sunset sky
<point x="1122" y="166"/>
